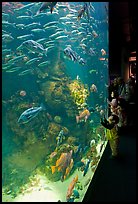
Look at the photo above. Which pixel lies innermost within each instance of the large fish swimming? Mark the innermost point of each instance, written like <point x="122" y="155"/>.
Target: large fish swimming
<point x="33" y="47"/>
<point x="64" y="164"/>
<point x="71" y="54"/>
<point x="30" y="113"/>
<point x="47" y="5"/>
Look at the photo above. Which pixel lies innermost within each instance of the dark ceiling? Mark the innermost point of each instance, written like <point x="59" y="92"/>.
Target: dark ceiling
<point x="122" y="22"/>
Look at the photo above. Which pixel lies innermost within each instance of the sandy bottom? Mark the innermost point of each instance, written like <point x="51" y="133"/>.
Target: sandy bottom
<point x="47" y="191"/>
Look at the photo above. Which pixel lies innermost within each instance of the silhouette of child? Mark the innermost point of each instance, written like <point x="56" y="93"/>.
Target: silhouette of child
<point x="112" y="132"/>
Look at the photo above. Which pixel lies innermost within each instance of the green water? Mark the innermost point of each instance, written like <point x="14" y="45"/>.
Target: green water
<point x="64" y="87"/>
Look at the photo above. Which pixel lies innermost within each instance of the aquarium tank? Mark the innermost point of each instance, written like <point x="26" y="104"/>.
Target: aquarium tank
<point x="54" y="93"/>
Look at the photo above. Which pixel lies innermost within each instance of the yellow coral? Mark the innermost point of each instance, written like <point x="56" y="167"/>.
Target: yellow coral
<point x="79" y="92"/>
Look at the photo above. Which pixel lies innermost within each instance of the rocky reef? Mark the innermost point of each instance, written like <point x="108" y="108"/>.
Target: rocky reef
<point x="38" y="147"/>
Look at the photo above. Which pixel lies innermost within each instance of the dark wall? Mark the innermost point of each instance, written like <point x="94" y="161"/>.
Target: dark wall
<point x="122" y="37"/>
<point x="115" y="40"/>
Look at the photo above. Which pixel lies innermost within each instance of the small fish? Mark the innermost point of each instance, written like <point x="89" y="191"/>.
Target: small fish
<point x="55" y="34"/>
<point x="60" y="137"/>
<point x="38" y="30"/>
<point x="7" y="24"/>
<point x="39" y="16"/>
<point x="32" y="25"/>
<point x="92" y="71"/>
<point x="94" y="34"/>
<point x="13" y="69"/>
<point x="60" y="37"/>
<point x="91" y="52"/>
<point x="50" y="27"/>
<point x="42" y="64"/>
<point x="30" y="113"/>
<point x="79" y="150"/>
<point x="102" y="58"/>
<point x="51" y="23"/>
<point x="31" y="61"/>
<point x="53" y="154"/>
<point x="25" y="72"/>
<point x="82" y="61"/>
<point x="42" y="40"/>
<point x="103" y="52"/>
<point x="25" y="37"/>
<point x="16" y="59"/>
<point x="64" y="18"/>
<point x="6" y="51"/>
<point x="92" y="142"/>
<point x="50" y="41"/>
<point x="86" y="167"/>
<point x="5" y="16"/>
<point x="93" y="88"/>
<point x="23" y="18"/>
<point x="21" y="26"/>
<point x="7" y="38"/>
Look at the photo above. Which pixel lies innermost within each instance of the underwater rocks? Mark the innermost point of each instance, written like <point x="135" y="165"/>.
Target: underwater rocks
<point x="31" y="139"/>
<point x="72" y="140"/>
<point x="51" y="95"/>
<point x="58" y="70"/>
<point x="57" y="97"/>
<point x="66" y="131"/>
<point x="57" y="119"/>
<point x="79" y="93"/>
<point x="53" y="128"/>
<point x="42" y="75"/>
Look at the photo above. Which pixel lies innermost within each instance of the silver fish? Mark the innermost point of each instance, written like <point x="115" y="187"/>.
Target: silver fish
<point x="25" y="37"/>
<point x="30" y="113"/>
<point x="25" y="72"/>
<point x="51" y="23"/>
<point x="31" y="61"/>
<point x="33" y="47"/>
<point x="44" y="64"/>
<point x="61" y="37"/>
<point x="32" y="25"/>
<point x="16" y="59"/>
<point x="38" y="30"/>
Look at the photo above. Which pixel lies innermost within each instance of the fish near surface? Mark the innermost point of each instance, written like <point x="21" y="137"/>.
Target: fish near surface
<point x="30" y="113"/>
<point x="47" y="5"/>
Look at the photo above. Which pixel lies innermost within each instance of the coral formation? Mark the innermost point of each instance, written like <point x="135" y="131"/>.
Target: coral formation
<point x="79" y="93"/>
